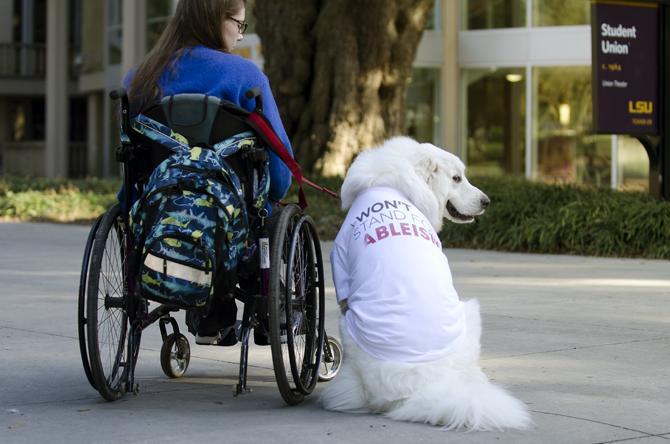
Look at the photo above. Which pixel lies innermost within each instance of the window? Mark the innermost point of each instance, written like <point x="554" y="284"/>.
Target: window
<point x="78" y="119"/>
<point x="158" y="14"/>
<point x="434" y="17"/>
<point x="114" y="32"/>
<point x="422" y="106"/>
<point x="39" y="21"/>
<point x="561" y="12"/>
<point x="31" y="16"/>
<point x="16" y="20"/>
<point x="488" y="14"/>
<point x="495" y="113"/>
<point x="565" y="150"/>
<point x="76" y="48"/>
<point x="27" y="119"/>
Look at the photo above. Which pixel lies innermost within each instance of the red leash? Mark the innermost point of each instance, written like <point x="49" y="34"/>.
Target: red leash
<point x="328" y="191"/>
<point x="258" y="122"/>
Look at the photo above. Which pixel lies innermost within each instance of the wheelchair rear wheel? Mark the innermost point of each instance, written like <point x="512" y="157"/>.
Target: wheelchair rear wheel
<point x="107" y="319"/>
<point x="296" y="304"/>
<point x="81" y="305"/>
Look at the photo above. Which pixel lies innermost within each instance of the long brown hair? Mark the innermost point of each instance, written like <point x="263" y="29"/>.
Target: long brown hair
<point x="195" y="22"/>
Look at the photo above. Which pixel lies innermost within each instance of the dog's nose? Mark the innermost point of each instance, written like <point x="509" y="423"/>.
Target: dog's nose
<point x="485" y="202"/>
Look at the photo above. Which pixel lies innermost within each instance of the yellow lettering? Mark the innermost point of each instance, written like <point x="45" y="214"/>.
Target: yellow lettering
<point x="640" y="107"/>
<point x="642" y="122"/>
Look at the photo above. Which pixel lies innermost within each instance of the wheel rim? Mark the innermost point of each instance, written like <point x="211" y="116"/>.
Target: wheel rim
<point x="107" y="318"/>
<point x="331" y="361"/>
<point x="285" y="289"/>
<point x="179" y="357"/>
<point x="82" y="315"/>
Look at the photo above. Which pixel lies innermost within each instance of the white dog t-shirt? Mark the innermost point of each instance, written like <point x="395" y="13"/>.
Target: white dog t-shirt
<point x="388" y="264"/>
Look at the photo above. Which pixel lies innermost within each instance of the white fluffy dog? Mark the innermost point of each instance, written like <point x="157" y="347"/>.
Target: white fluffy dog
<point x="411" y="346"/>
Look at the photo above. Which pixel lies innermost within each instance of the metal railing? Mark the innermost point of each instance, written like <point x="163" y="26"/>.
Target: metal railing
<point x="23" y="60"/>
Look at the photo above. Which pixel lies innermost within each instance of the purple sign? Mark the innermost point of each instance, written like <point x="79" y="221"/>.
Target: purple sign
<point x="625" y="67"/>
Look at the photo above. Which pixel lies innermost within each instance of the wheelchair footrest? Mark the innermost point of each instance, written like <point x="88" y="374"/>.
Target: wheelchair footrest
<point x="225" y="337"/>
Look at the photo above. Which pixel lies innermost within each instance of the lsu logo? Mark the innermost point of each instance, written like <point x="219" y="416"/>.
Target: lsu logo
<point x="640" y="107"/>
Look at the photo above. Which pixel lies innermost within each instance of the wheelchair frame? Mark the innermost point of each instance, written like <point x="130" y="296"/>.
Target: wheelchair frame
<point x="285" y="299"/>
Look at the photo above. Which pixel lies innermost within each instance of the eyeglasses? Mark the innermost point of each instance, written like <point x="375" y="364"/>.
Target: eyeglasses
<point x="241" y="26"/>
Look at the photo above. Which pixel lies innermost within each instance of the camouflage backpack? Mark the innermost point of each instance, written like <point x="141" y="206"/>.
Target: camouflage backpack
<point x="190" y="224"/>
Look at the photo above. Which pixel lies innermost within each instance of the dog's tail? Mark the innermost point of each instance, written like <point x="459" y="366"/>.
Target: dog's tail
<point x="462" y="396"/>
<point x="476" y="404"/>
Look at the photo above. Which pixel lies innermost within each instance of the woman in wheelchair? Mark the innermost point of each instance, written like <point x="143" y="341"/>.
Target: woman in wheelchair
<point x="193" y="55"/>
<point x="202" y="169"/>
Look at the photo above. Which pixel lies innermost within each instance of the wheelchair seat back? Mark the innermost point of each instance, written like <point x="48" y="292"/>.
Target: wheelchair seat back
<point x="203" y="121"/>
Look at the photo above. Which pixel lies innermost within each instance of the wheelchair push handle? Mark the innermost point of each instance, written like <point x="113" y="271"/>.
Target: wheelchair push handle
<point x="125" y="107"/>
<point x="255" y="93"/>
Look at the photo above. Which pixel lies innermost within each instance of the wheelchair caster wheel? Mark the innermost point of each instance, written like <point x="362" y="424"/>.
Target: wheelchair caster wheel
<point x="175" y="355"/>
<point x="331" y="359"/>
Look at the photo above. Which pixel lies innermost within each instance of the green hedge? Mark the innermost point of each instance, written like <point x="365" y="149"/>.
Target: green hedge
<point x="538" y="218"/>
<point x="524" y="216"/>
<point x="532" y="217"/>
<point x="55" y="200"/>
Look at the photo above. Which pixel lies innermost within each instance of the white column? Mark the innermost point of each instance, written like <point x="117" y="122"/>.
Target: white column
<point x="450" y="76"/>
<point x="57" y="100"/>
<point x="134" y="33"/>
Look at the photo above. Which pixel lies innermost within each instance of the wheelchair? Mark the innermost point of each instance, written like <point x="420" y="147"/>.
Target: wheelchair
<point x="283" y="300"/>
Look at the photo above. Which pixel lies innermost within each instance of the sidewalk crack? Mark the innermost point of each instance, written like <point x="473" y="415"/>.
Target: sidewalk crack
<point x="595" y="421"/>
<point x="37" y="332"/>
<point x="662" y="436"/>
<point x="590" y="324"/>
<point x="634" y="341"/>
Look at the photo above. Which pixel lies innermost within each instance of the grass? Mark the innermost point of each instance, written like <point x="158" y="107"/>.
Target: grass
<point x="53" y="200"/>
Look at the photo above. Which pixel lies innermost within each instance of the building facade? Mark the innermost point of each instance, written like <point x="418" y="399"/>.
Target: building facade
<point x="505" y="84"/>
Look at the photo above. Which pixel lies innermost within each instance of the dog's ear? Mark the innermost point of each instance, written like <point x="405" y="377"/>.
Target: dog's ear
<point x="427" y="169"/>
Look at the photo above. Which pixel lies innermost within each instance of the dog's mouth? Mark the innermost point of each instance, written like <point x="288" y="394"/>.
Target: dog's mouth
<point x="456" y="215"/>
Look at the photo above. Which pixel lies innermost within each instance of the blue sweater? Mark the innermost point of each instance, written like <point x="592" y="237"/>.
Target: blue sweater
<point x="227" y="76"/>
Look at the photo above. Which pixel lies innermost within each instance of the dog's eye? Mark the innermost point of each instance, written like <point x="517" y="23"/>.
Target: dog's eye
<point x="457" y="179"/>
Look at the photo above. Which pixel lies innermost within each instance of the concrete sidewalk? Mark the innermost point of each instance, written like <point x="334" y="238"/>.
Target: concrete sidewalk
<point x="585" y="342"/>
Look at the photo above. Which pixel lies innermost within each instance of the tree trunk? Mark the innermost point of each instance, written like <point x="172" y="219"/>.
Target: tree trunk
<point x="339" y="70"/>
